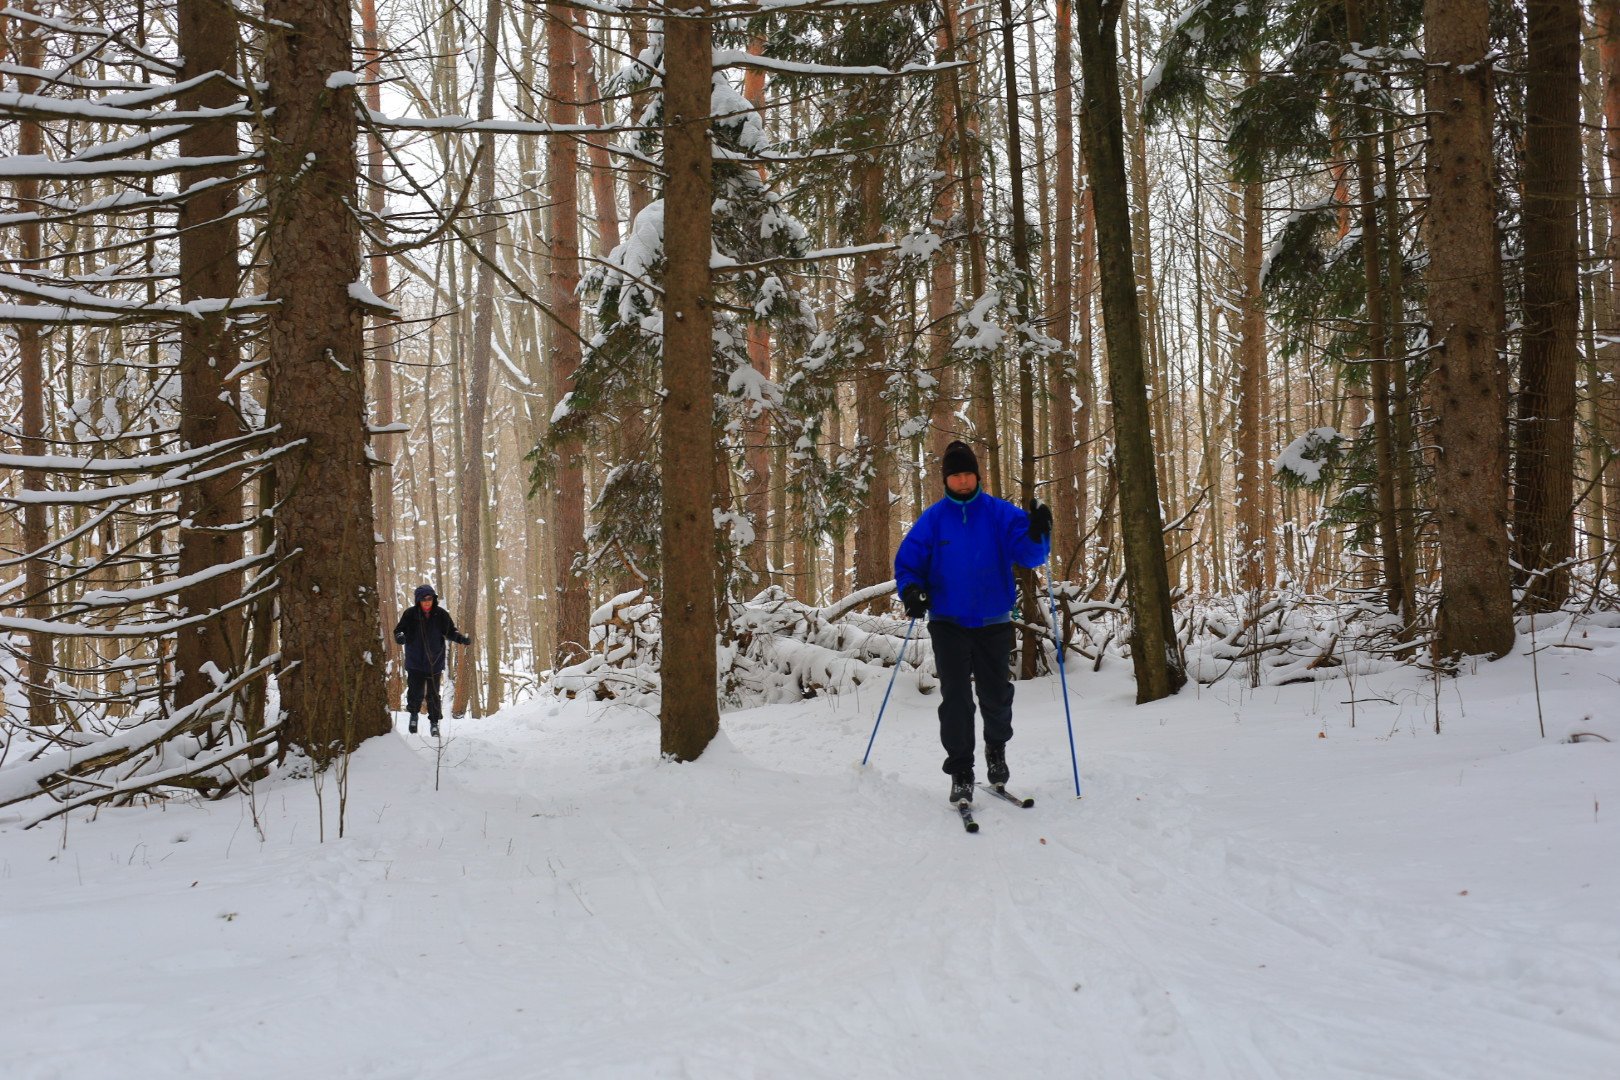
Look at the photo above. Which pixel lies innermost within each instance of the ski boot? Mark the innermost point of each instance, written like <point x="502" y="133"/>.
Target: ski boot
<point x="995" y="755"/>
<point x="413" y="724"/>
<point x="961" y="788"/>
<point x="433" y="728"/>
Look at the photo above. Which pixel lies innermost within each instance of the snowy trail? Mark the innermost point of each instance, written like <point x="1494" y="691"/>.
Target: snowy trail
<point x="1235" y="898"/>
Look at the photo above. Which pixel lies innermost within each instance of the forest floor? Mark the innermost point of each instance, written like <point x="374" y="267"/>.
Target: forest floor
<point x="1250" y="888"/>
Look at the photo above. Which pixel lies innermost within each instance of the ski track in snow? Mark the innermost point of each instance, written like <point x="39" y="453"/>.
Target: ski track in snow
<point x="1235" y="897"/>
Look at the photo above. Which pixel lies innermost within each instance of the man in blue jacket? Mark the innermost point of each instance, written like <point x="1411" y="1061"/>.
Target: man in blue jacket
<point x="424" y="629"/>
<point x="956" y="567"/>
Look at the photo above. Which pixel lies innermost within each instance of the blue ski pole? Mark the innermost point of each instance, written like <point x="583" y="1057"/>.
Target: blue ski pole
<point x="1063" y="679"/>
<point x="890" y="690"/>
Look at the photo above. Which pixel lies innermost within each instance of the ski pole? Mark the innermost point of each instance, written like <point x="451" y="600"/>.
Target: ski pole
<point x="1063" y="679"/>
<point x="890" y="690"/>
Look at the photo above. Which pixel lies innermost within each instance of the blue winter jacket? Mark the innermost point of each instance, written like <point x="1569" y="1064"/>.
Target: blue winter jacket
<point x="962" y="553"/>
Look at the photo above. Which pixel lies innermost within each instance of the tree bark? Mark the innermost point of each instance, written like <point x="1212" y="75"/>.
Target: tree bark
<point x="987" y="434"/>
<point x="1087" y="420"/>
<point x="31" y="375"/>
<point x="1155" y="652"/>
<point x="1469" y="392"/>
<point x="1066" y="523"/>
<point x="689" y="715"/>
<point x="571" y="607"/>
<point x="1606" y="19"/>
<point x="1025" y="308"/>
<point x="1249" y="540"/>
<point x="332" y="675"/>
<point x="942" y="282"/>
<point x="475" y="410"/>
<point x="874" y="557"/>
<point x="757" y="432"/>
<point x="1544" y="468"/>
<point x="603" y="198"/>
<point x="1379" y="346"/>
<point x="210" y="510"/>
<point x="382" y="355"/>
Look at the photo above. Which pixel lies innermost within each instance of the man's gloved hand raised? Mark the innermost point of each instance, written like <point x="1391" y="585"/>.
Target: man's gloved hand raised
<point x="915" y="600"/>
<point x="1040" y="520"/>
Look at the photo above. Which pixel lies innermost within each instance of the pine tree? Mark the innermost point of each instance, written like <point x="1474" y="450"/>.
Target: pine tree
<point x="332" y="686"/>
<point x="209" y="509"/>
<point x="689" y="713"/>
<point x="1544" y="462"/>
<point x="1469" y="389"/>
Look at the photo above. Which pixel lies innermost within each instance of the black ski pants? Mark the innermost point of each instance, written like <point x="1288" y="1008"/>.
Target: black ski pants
<point x="968" y="657"/>
<point x="418" y="684"/>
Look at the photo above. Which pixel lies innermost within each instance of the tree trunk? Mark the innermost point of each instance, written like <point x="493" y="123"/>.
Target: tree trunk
<point x="966" y="130"/>
<point x="382" y="356"/>
<point x="603" y="199"/>
<point x="1469" y="389"/>
<point x="1066" y="523"/>
<point x="1249" y="540"/>
<point x="1155" y="654"/>
<point x="31" y="374"/>
<point x="571" y="606"/>
<point x="874" y="558"/>
<point x="942" y="282"/>
<point x="332" y="676"/>
<point x="1378" y="343"/>
<point x="757" y="432"/>
<point x="639" y="175"/>
<point x="1086" y="420"/>
<point x="1606" y="19"/>
<point x="1026" y="374"/>
<point x="1545" y="466"/>
<point x="689" y="715"/>
<point x="479" y="356"/>
<point x="210" y="510"/>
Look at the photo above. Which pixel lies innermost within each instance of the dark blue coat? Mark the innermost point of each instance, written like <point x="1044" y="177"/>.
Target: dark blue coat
<point x="424" y="635"/>
<point x="962" y="553"/>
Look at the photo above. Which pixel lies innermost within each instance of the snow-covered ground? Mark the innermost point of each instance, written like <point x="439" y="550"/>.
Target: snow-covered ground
<point x="1250" y="888"/>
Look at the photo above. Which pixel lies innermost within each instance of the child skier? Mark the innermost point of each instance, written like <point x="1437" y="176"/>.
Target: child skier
<point x="423" y="629"/>
<point x="956" y="567"/>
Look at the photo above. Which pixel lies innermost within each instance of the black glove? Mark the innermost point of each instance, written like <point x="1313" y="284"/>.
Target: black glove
<point x="1040" y="521"/>
<point x="915" y="600"/>
<point x="399" y="637"/>
<point x="465" y="639"/>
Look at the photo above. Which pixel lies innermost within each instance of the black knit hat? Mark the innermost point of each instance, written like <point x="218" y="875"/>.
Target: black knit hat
<point x="959" y="458"/>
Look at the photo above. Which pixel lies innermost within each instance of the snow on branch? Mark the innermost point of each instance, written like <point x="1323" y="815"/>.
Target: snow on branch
<point x="738" y="58"/>
<point x="62" y="768"/>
